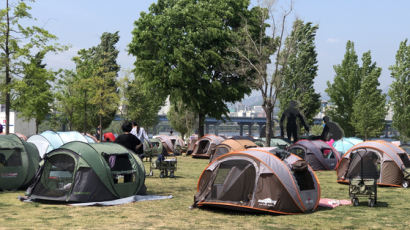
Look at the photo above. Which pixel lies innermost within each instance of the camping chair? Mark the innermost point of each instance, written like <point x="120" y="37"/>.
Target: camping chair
<point x="364" y="182"/>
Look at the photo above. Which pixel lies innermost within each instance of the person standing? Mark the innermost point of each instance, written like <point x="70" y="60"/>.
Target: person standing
<point x="129" y="140"/>
<point x="292" y="114"/>
<point x="139" y="132"/>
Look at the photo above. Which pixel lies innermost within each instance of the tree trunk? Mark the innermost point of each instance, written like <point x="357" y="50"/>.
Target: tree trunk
<point x="201" y="118"/>
<point x="7" y="70"/>
<point x="101" y="132"/>
<point x="37" y="124"/>
<point x="268" y="127"/>
<point x="85" y="111"/>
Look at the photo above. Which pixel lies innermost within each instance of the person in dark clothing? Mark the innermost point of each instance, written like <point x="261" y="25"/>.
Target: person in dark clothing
<point x="128" y="140"/>
<point x="291" y="114"/>
<point x="331" y="130"/>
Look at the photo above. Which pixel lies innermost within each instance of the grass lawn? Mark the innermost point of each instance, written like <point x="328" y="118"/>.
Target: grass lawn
<point x="391" y="212"/>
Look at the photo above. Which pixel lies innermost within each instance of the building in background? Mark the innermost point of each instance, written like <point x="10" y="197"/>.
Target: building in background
<point x="17" y="125"/>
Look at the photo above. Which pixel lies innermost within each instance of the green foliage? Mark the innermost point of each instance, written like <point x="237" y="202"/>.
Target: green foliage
<point x="399" y="91"/>
<point x="301" y="70"/>
<point x="183" y="50"/>
<point x="94" y="85"/>
<point x="369" y="108"/>
<point x="316" y="130"/>
<point x="33" y="95"/>
<point x="344" y="90"/>
<point x="142" y="104"/>
<point x="182" y="119"/>
<point x="17" y="44"/>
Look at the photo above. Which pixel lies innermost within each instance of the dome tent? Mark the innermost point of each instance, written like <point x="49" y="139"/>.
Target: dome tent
<point x="81" y="172"/>
<point x="205" y="146"/>
<point x="345" y="143"/>
<point x="259" y="181"/>
<point x="319" y="154"/>
<point x="393" y="163"/>
<point x="19" y="161"/>
<point x="49" y="140"/>
<point x="230" y="145"/>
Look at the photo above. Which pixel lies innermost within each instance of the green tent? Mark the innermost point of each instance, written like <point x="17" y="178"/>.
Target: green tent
<point x="19" y="161"/>
<point x="82" y="172"/>
<point x="154" y="147"/>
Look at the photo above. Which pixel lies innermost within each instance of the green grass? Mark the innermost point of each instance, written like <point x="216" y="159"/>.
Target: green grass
<point x="391" y="213"/>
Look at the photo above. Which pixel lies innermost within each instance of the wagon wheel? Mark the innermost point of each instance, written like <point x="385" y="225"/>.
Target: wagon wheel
<point x="355" y="201"/>
<point x="405" y="184"/>
<point x="371" y="202"/>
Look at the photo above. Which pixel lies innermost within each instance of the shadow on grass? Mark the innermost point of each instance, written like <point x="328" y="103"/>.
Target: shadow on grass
<point x="380" y="204"/>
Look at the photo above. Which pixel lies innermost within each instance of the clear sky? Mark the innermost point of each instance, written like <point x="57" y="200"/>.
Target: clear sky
<point x="376" y="25"/>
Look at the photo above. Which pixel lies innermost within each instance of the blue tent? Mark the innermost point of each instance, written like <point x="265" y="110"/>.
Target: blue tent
<point x="50" y="140"/>
<point x="344" y="144"/>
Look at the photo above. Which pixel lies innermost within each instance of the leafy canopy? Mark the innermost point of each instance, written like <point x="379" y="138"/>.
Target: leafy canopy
<point x="399" y="91"/>
<point x="344" y="89"/>
<point x="369" y="108"/>
<point x="182" y="50"/>
<point x="301" y="70"/>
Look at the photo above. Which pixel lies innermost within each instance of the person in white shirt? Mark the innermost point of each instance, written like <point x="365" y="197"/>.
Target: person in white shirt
<point x="140" y="133"/>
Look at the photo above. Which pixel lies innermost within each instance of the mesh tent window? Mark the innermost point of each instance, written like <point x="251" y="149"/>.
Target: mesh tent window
<point x="121" y="167"/>
<point x="404" y="157"/>
<point x="221" y="151"/>
<point x="235" y="181"/>
<point x="14" y="159"/>
<point x="302" y="175"/>
<point x="58" y="175"/>
<point x="203" y="146"/>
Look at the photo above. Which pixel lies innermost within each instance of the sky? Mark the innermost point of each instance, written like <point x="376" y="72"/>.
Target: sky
<point x="375" y="25"/>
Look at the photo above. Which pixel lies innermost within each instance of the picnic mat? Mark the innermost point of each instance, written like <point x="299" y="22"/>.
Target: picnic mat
<point x="333" y="203"/>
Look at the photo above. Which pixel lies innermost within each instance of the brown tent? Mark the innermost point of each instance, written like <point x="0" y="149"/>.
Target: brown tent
<point x="166" y="143"/>
<point x="230" y="145"/>
<point x="319" y="154"/>
<point x="259" y="181"/>
<point x="205" y="146"/>
<point x="191" y="143"/>
<point x="393" y="163"/>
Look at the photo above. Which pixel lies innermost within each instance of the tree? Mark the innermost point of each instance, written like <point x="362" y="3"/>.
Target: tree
<point x="181" y="119"/>
<point x="301" y="70"/>
<point x="369" y="108"/>
<point x="67" y="98"/>
<point x="33" y="95"/>
<point x="256" y="49"/>
<point x="17" y="41"/>
<point x="182" y="50"/>
<point x="344" y="89"/>
<point x="142" y="104"/>
<point x="399" y="91"/>
<point x="97" y="71"/>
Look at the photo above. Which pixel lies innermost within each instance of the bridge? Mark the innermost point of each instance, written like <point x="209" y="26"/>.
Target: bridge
<point x="250" y="121"/>
<point x="241" y="121"/>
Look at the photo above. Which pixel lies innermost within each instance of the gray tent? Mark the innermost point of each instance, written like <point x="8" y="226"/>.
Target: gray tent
<point x="317" y="153"/>
<point x="259" y="181"/>
<point x="393" y="163"/>
<point x="205" y="146"/>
